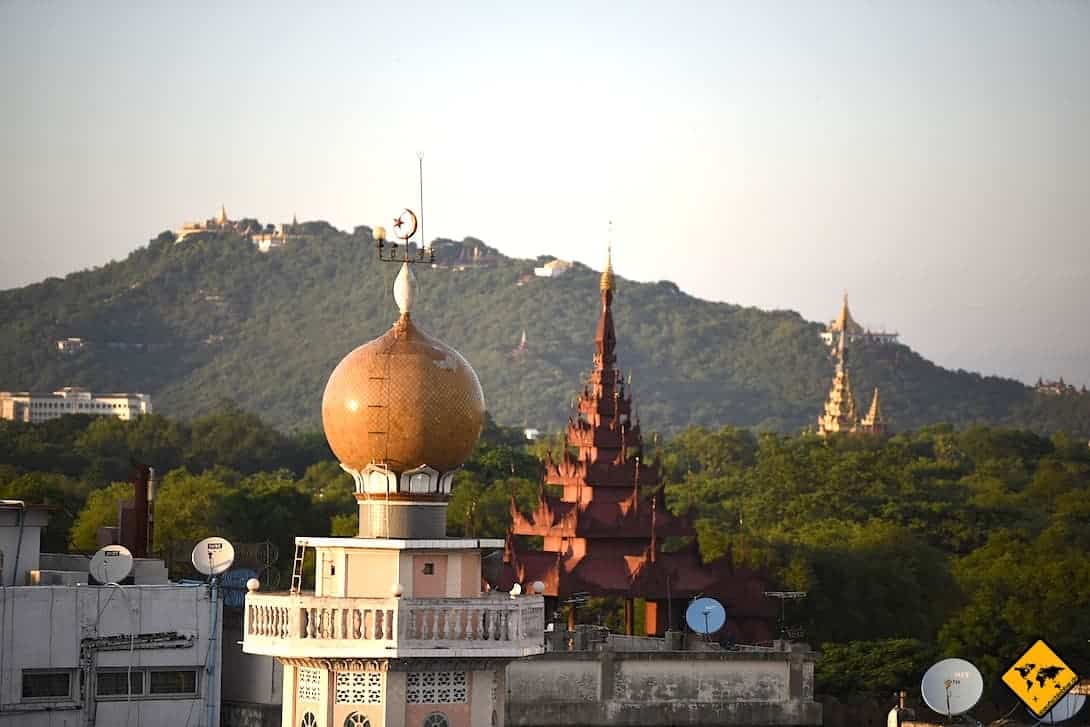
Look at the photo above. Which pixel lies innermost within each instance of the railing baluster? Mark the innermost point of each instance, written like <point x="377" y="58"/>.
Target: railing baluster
<point x="423" y="622"/>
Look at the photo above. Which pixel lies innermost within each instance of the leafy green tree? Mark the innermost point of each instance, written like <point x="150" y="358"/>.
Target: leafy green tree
<point x="101" y="509"/>
<point x="190" y="507"/>
<point x="64" y="496"/>
<point x="871" y="668"/>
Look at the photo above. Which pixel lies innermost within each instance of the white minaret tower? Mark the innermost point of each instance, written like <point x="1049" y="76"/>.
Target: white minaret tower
<point x="398" y="630"/>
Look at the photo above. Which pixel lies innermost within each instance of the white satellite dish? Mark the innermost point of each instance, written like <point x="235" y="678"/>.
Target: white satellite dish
<point x="111" y="564"/>
<point x="516" y="590"/>
<point x="952" y="687"/>
<point x="705" y="615"/>
<point x="1065" y="709"/>
<point x="213" y="556"/>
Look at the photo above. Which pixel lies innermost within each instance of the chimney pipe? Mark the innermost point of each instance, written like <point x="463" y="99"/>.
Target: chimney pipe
<point x="141" y="474"/>
<point x="153" y="484"/>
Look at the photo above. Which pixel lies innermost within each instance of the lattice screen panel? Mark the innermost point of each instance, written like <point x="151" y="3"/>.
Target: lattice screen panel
<point x="310" y="685"/>
<point x="436" y="687"/>
<point x="359" y="687"/>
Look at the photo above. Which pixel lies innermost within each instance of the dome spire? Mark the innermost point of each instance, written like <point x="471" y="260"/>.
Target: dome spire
<point x="875" y="421"/>
<point x="607" y="274"/>
<point x="405" y="289"/>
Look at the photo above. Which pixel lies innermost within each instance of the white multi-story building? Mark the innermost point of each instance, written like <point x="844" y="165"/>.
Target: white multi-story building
<point x="71" y="653"/>
<point x="553" y="269"/>
<point x="39" y="407"/>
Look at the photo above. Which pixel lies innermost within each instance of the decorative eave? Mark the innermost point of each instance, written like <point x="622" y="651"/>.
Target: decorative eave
<point x="377" y="480"/>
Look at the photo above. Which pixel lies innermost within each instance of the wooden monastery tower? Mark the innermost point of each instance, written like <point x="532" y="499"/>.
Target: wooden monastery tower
<point x="604" y="534"/>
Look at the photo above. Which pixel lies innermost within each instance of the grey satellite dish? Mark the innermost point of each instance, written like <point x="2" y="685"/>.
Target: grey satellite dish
<point x="213" y="556"/>
<point x="705" y="615"/>
<point x="952" y="687"/>
<point x="1065" y="709"/>
<point x="111" y="564"/>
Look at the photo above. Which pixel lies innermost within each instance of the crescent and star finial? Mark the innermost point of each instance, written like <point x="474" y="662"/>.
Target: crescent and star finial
<point x="406" y="219"/>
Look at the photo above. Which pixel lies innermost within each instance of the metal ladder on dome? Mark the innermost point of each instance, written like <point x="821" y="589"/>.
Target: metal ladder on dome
<point x="297" y="568"/>
<point x="380" y="411"/>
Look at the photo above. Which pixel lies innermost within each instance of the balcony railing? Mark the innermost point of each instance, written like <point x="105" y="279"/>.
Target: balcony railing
<point x="301" y="625"/>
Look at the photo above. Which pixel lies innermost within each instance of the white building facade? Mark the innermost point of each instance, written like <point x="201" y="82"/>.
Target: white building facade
<point x="40" y="407"/>
<point x="75" y="654"/>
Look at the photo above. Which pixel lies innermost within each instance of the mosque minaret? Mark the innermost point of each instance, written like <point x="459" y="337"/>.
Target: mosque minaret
<point x="400" y="629"/>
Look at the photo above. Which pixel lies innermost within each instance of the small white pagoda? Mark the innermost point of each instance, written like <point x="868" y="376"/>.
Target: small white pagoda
<point x="400" y="629"/>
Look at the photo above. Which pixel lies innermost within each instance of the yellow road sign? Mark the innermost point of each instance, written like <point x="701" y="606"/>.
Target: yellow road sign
<point x="1039" y="677"/>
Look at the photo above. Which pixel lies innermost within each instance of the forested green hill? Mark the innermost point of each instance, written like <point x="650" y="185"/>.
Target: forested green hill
<point x="211" y="319"/>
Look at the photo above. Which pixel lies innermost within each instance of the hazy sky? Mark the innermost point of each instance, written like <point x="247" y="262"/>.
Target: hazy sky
<point x="932" y="158"/>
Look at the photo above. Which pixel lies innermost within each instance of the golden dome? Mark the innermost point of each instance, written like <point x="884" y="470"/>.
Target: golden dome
<point x="404" y="399"/>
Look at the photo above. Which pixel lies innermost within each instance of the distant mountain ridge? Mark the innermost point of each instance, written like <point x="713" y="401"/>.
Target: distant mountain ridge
<point x="211" y="318"/>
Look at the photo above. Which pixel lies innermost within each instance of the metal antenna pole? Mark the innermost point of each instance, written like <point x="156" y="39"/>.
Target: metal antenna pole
<point x="420" y="169"/>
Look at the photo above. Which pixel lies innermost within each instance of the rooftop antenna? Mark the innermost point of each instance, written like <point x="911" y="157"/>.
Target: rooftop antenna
<point x="420" y="173"/>
<point x="212" y="556"/>
<point x="784" y="597"/>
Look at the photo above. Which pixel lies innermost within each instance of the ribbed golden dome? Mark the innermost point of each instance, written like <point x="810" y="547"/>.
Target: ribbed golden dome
<point x="404" y="399"/>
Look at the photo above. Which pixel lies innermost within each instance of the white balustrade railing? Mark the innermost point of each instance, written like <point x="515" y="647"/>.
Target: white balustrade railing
<point x="282" y="623"/>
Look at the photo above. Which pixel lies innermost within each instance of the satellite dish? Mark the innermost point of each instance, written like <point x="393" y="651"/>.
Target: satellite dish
<point x="952" y="687"/>
<point x="213" y="556"/>
<point x="516" y="590"/>
<point x="705" y="615"/>
<point x="1065" y="709"/>
<point x="111" y="564"/>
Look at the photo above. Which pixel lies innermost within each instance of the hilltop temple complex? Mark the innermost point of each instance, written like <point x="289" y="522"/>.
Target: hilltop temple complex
<point x="264" y="238"/>
<point x="846" y="324"/>
<point x="219" y="223"/>
<point x="603" y="535"/>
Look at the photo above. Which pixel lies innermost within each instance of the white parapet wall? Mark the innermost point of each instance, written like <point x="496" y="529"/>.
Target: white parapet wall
<point x="67" y="652"/>
<point x="658" y="688"/>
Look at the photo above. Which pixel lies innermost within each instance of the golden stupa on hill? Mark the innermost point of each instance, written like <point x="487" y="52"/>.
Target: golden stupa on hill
<point x="403" y="401"/>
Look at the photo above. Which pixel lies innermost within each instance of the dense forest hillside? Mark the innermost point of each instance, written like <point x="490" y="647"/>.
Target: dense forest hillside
<point x="212" y="319"/>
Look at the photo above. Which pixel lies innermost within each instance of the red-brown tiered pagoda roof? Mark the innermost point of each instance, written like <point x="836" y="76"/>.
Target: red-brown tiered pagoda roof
<point x="603" y="535"/>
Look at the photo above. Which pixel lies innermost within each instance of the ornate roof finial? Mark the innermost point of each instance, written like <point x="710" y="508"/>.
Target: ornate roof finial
<point x="607" y="274"/>
<point x="405" y="289"/>
<point x="875" y="413"/>
<point x="844" y="321"/>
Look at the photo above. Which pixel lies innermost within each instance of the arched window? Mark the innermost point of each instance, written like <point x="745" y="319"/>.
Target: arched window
<point x="436" y="719"/>
<point x="355" y="719"/>
<point x="309" y="720"/>
<point x="420" y="482"/>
